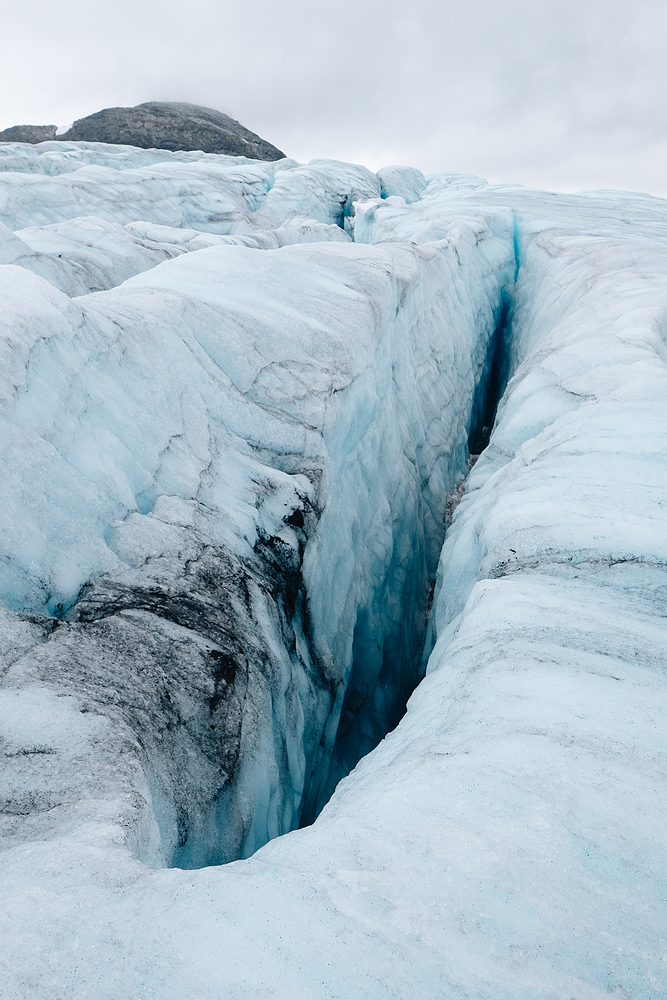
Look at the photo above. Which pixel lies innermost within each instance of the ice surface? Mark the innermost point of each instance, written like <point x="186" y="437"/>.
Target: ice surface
<point x="198" y="191"/>
<point x="222" y="507"/>
<point x="222" y="357"/>
<point x="403" y="182"/>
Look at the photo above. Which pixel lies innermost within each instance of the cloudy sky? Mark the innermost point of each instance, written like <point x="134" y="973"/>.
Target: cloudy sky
<point x="562" y="94"/>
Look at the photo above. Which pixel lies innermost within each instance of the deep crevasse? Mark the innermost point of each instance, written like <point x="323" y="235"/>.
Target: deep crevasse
<point x="507" y="838"/>
<point x="302" y="413"/>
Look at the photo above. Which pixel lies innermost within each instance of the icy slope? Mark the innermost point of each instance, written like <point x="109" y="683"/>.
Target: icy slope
<point x="315" y="395"/>
<point x="58" y="181"/>
<point x="243" y="455"/>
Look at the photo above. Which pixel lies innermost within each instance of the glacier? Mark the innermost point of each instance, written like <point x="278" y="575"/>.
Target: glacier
<point x="332" y="581"/>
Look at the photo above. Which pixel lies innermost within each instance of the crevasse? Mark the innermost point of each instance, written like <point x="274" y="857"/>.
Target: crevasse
<point x="226" y="452"/>
<point x="261" y="552"/>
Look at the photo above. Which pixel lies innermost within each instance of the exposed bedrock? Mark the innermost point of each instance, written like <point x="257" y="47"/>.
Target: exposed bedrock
<point x="28" y="133"/>
<point x="170" y="125"/>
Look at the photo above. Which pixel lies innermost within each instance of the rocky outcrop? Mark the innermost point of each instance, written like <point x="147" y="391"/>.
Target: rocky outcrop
<point x="29" y="133"/>
<point x="172" y="125"/>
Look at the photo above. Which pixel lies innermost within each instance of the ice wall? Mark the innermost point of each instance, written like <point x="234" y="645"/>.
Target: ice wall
<point x="244" y="454"/>
<point x="248" y="453"/>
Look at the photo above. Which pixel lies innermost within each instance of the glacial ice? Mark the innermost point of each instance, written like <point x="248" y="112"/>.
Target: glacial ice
<point x="232" y="411"/>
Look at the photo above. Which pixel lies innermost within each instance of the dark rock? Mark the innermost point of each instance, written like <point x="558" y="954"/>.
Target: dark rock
<point x="158" y="125"/>
<point x="29" y="133"/>
<point x="180" y="654"/>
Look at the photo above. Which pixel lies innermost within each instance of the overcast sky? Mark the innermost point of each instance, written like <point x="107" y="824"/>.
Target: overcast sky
<point x="562" y="94"/>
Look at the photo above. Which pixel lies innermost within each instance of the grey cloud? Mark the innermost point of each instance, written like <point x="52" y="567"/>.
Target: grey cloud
<point x="552" y="92"/>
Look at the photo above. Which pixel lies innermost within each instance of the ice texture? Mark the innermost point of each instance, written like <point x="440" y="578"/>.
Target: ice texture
<point x="59" y="181"/>
<point x="227" y="451"/>
<point x="407" y="183"/>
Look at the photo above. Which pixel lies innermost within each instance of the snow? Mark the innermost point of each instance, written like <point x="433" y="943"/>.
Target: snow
<point x="231" y="415"/>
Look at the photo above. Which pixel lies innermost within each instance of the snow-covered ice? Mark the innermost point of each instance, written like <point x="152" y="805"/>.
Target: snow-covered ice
<point x="234" y="398"/>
